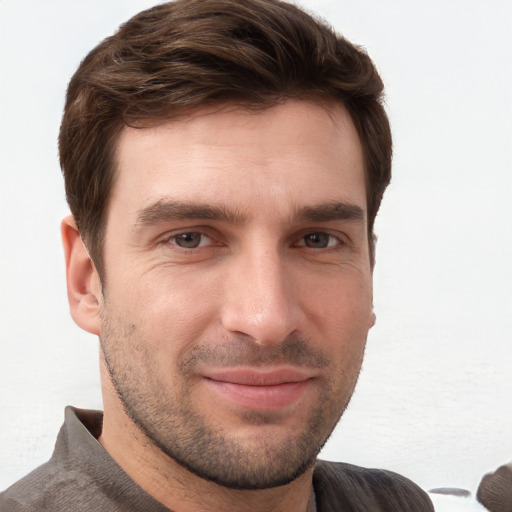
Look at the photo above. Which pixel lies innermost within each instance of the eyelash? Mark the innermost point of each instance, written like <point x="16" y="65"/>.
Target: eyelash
<point x="330" y="236"/>
<point x="172" y="240"/>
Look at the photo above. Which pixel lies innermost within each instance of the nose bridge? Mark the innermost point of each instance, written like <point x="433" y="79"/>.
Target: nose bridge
<point x="260" y="299"/>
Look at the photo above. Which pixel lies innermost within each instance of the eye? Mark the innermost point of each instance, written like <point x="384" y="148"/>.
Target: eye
<point x="190" y="240"/>
<point x="319" y="240"/>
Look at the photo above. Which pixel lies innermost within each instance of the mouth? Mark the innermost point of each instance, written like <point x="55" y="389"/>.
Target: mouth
<point x="259" y="389"/>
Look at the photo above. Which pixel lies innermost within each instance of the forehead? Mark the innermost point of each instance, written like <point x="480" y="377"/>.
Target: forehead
<point x="284" y="156"/>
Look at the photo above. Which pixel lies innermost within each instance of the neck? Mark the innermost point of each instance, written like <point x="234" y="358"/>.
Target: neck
<point x="176" y="487"/>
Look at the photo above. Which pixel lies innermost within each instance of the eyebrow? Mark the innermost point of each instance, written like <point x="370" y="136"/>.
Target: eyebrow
<point x="165" y="210"/>
<point x="336" y="210"/>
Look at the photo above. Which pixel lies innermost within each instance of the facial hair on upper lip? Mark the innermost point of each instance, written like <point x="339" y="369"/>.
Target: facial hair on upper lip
<point x="293" y="351"/>
<point x="171" y="419"/>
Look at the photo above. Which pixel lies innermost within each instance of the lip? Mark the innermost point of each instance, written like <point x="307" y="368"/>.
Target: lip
<point x="259" y="389"/>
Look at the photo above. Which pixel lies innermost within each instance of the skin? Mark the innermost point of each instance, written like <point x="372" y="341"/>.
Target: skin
<point x="235" y="305"/>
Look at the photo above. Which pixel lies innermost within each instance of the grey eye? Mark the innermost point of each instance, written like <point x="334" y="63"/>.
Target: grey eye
<point x="317" y="240"/>
<point x="188" y="240"/>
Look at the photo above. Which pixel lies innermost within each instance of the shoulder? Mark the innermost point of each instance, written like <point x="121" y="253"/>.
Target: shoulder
<point x="29" y="493"/>
<point x="60" y="485"/>
<point x="361" y="489"/>
<point x="80" y="476"/>
<point x="61" y="480"/>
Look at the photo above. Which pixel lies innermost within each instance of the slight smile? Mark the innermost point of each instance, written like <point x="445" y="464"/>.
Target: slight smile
<point x="259" y="389"/>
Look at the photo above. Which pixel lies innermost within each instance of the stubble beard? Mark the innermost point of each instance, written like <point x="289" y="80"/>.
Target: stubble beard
<point x="167" y="417"/>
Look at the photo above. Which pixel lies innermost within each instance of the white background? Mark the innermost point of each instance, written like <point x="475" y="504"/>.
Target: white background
<point x="435" y="396"/>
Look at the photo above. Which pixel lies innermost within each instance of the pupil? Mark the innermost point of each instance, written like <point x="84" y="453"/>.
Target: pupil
<point x="188" y="240"/>
<point x="317" y="240"/>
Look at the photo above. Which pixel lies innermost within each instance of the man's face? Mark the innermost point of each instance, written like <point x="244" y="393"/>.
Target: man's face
<point x="237" y="293"/>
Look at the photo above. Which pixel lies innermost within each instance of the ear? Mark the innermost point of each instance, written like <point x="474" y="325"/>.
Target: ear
<point x="83" y="281"/>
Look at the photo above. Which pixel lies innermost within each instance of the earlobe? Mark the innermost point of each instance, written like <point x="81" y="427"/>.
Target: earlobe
<point x="83" y="282"/>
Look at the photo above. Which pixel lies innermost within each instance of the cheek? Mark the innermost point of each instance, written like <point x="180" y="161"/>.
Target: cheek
<point x="172" y="308"/>
<point x="340" y="323"/>
<point x="344" y="303"/>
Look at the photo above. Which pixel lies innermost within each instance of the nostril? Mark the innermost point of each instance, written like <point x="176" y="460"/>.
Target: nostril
<point x="266" y="325"/>
<point x="259" y="299"/>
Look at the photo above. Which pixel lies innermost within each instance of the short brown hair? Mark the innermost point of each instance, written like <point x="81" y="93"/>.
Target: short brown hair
<point x="178" y="55"/>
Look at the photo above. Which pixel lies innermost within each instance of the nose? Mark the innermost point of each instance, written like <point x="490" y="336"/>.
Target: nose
<point x="260" y="297"/>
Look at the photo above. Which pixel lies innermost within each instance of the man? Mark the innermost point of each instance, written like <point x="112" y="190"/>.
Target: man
<point x="224" y="162"/>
